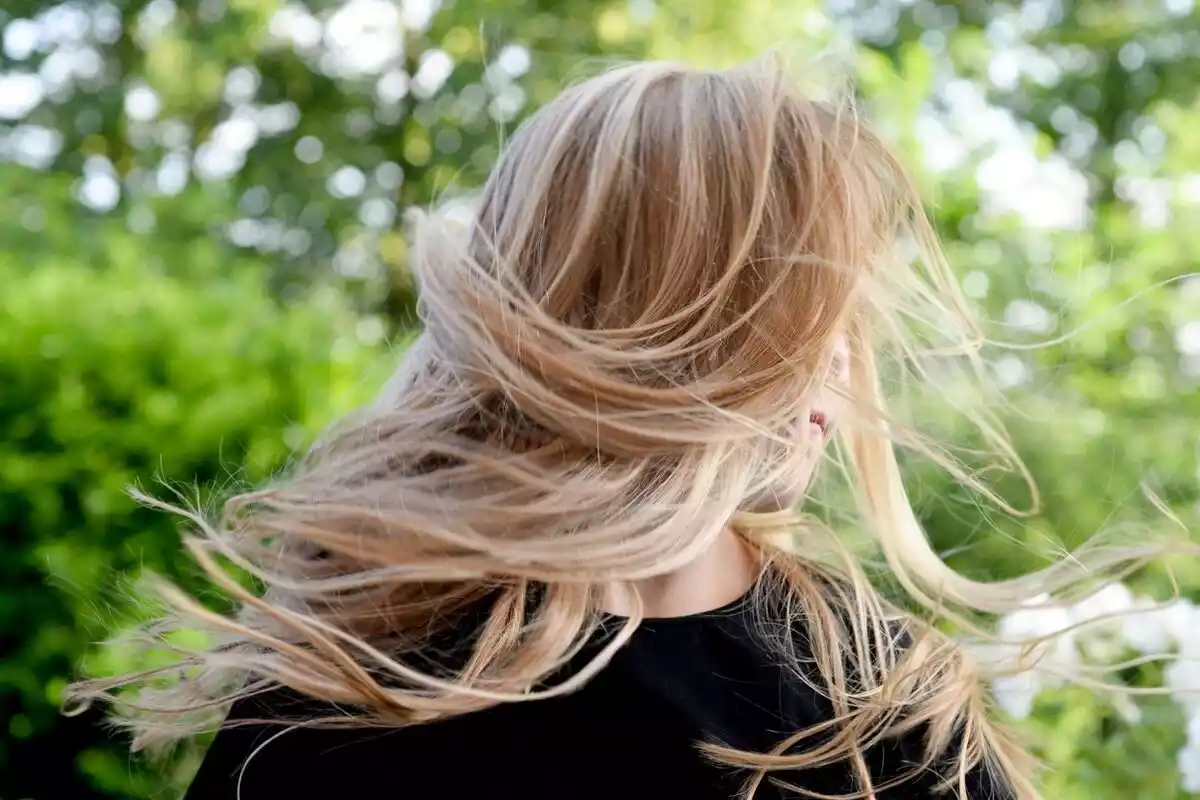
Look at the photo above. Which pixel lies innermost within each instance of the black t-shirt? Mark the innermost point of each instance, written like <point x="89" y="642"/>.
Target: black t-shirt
<point x="628" y="734"/>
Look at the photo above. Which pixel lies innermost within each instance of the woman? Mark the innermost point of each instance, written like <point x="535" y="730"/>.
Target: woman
<point x="555" y="559"/>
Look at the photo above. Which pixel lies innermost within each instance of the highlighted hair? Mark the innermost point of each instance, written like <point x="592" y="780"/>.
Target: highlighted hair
<point x="646" y="295"/>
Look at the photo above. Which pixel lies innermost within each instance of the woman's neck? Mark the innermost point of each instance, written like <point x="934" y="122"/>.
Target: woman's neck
<point x="722" y="574"/>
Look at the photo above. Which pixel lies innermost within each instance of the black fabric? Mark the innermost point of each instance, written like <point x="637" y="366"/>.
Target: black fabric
<point x="629" y="734"/>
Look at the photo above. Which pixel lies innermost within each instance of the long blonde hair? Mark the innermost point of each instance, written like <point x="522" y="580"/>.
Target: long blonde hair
<point x="643" y="300"/>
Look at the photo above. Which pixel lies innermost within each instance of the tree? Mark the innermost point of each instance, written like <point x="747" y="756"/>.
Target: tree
<point x="224" y="180"/>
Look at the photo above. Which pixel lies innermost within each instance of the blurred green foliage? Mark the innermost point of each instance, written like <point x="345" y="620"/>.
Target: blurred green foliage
<point x="200" y="264"/>
<point x="117" y="374"/>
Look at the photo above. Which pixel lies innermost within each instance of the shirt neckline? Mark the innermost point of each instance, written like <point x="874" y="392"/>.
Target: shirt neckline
<point x="732" y="608"/>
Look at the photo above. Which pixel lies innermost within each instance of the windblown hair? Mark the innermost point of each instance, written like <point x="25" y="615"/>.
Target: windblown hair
<point x="644" y="299"/>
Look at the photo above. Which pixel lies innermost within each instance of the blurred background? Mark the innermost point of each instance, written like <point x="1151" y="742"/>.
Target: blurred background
<point x="201" y="264"/>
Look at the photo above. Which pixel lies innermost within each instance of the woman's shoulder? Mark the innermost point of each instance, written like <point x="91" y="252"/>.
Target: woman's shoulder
<point x="857" y="654"/>
<point x="278" y="742"/>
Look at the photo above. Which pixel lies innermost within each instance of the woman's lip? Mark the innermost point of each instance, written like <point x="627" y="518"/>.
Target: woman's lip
<point x="819" y="420"/>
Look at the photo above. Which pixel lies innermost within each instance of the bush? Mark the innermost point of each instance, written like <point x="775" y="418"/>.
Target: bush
<point x="114" y="377"/>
